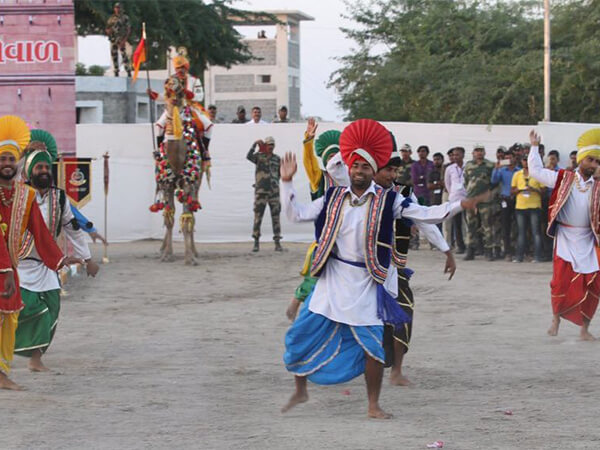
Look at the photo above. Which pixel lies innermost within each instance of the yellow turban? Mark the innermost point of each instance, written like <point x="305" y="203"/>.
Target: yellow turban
<point x="588" y="144"/>
<point x="14" y="135"/>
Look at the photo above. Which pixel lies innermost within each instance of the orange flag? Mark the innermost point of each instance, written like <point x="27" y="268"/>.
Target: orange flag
<point x="139" y="56"/>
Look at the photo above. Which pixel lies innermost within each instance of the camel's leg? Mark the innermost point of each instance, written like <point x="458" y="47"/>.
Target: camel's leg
<point x="169" y="216"/>
<point x="187" y="227"/>
<point x="192" y="241"/>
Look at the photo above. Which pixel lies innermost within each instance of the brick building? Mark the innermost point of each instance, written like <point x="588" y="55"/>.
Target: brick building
<point x="37" y="65"/>
<point x="270" y="79"/>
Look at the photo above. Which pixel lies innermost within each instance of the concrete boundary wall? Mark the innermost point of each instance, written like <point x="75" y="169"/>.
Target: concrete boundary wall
<point x="227" y="207"/>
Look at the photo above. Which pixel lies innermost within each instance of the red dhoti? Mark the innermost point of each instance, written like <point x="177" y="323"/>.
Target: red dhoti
<point x="574" y="295"/>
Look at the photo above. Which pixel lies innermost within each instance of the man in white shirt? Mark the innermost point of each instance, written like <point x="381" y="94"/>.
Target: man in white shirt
<point x="256" y="117"/>
<point x="454" y="182"/>
<point x="574" y="221"/>
<point x="338" y="333"/>
<point x="397" y="343"/>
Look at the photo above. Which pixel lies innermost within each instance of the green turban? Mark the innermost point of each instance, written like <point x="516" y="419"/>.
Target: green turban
<point x="41" y="148"/>
<point x="327" y="144"/>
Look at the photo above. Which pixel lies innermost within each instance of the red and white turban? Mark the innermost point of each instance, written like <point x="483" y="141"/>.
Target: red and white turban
<point x="368" y="140"/>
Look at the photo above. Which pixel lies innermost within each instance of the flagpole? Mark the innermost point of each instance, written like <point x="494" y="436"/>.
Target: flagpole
<point x="105" y="259"/>
<point x="149" y="89"/>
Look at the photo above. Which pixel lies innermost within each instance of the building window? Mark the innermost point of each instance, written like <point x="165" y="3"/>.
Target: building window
<point x="142" y="111"/>
<point x="264" y="79"/>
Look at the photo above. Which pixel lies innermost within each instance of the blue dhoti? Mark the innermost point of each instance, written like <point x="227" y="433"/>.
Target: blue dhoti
<point x="329" y="352"/>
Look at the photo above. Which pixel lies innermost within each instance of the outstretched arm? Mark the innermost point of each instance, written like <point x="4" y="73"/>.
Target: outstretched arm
<point x="295" y="211"/>
<point x="534" y="161"/>
<point x="404" y="207"/>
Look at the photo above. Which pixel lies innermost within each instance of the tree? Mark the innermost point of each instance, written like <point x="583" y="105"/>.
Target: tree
<point x="206" y="30"/>
<point x="467" y="61"/>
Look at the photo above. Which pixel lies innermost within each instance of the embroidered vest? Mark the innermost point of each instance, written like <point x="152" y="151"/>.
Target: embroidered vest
<point x="56" y="206"/>
<point x="378" y="230"/>
<point x="560" y="194"/>
<point x="401" y="233"/>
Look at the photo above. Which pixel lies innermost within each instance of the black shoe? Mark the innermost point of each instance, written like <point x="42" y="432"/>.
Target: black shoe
<point x="256" y="246"/>
<point x="460" y="251"/>
<point x="278" y="247"/>
<point x="498" y="253"/>
<point x="489" y="255"/>
<point x="470" y="256"/>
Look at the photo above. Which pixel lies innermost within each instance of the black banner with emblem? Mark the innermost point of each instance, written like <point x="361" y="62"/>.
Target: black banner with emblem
<point x="74" y="175"/>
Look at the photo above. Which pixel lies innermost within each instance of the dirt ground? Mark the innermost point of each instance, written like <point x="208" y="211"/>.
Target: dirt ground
<point x="152" y="355"/>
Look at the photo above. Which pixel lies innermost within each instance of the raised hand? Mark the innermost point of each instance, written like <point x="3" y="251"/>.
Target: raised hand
<point x="288" y="166"/>
<point x="311" y="128"/>
<point x="534" y="138"/>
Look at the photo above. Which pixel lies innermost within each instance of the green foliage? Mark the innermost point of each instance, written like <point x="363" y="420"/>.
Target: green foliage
<point x="206" y="30"/>
<point x="80" y="69"/>
<point x="96" y="70"/>
<point x="469" y="61"/>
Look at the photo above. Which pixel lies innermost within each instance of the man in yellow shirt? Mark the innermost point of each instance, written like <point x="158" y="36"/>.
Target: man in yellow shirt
<point x="528" y="192"/>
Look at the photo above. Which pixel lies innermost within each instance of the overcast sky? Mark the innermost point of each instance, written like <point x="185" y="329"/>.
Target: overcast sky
<point x="321" y="41"/>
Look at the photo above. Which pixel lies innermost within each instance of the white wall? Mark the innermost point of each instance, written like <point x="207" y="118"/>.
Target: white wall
<point x="227" y="208"/>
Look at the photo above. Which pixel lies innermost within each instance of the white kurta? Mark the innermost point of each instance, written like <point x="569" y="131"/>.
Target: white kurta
<point x="345" y="293"/>
<point x="34" y="275"/>
<point x="338" y="170"/>
<point x="574" y="244"/>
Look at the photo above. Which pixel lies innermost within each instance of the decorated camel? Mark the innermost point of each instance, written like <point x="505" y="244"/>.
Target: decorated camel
<point x="181" y="160"/>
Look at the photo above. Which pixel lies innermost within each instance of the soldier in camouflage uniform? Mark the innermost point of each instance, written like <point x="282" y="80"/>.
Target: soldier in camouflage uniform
<point x="117" y="30"/>
<point x="266" y="188"/>
<point x="403" y="176"/>
<point x="477" y="177"/>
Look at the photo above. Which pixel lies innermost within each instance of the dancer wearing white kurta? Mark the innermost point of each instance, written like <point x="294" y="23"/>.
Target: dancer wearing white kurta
<point x="339" y="331"/>
<point x="574" y="222"/>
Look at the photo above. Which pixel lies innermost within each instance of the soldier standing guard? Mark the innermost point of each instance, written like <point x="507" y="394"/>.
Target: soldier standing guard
<point x="118" y="30"/>
<point x="266" y="188"/>
<point x="478" y="179"/>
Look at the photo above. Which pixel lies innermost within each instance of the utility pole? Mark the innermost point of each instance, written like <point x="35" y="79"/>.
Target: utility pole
<point x="546" y="60"/>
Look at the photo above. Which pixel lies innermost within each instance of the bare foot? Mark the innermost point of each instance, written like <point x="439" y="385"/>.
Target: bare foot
<point x="553" y="330"/>
<point x="586" y="336"/>
<point x="292" y="309"/>
<point x="397" y="379"/>
<point x="7" y="383"/>
<point x="37" y="366"/>
<point x="375" y="412"/>
<point x="295" y="399"/>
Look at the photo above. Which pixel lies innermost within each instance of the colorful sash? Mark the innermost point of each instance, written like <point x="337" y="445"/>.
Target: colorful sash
<point x="23" y="197"/>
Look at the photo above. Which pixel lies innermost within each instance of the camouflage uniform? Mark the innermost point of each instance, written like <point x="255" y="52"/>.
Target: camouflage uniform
<point x="118" y="29"/>
<point x="477" y="178"/>
<point x="266" y="190"/>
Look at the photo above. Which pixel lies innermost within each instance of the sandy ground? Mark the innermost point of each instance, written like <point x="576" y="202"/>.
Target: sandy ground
<point x="152" y="355"/>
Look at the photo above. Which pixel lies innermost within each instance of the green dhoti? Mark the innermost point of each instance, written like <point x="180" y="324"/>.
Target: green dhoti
<point x="37" y="321"/>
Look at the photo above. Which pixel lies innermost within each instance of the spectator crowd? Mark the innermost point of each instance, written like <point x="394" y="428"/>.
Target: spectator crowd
<point x="512" y="224"/>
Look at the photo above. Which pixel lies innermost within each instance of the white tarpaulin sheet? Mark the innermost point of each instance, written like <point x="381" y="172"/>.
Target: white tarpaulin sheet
<point x="227" y="208"/>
